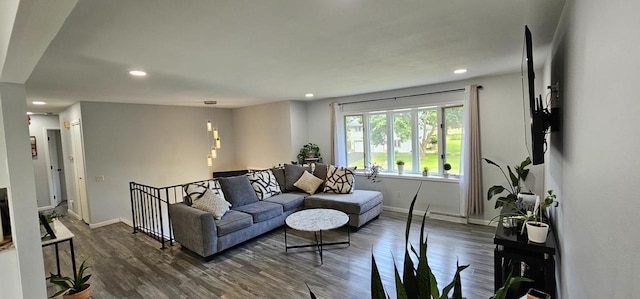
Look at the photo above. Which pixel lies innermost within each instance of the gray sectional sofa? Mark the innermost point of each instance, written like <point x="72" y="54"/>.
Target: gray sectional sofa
<point x="249" y="217"/>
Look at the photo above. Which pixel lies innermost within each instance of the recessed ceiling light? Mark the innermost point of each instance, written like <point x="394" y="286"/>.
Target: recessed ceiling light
<point x="29" y="113"/>
<point x="137" y="73"/>
<point x="38" y="103"/>
<point x="460" y="71"/>
<point x="309" y="95"/>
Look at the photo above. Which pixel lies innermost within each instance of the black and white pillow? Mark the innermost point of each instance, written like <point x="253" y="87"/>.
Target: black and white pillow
<point x="340" y="180"/>
<point x="264" y="183"/>
<point x="195" y="191"/>
<point x="214" y="185"/>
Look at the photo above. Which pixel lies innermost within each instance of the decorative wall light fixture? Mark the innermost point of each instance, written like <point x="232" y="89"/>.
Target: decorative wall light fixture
<point x="213" y="138"/>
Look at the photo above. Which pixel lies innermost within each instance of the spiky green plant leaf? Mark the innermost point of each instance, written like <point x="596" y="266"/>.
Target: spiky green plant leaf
<point x="377" y="290"/>
<point x="455" y="284"/>
<point x="313" y="296"/>
<point x="501" y="293"/>
<point x="401" y="293"/>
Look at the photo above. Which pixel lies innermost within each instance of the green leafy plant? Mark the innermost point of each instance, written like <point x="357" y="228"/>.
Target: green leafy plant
<point x="516" y="176"/>
<point x="69" y="285"/>
<point x="399" y="162"/>
<point x="309" y="150"/>
<point x="51" y="216"/>
<point x="447" y="166"/>
<point x="417" y="281"/>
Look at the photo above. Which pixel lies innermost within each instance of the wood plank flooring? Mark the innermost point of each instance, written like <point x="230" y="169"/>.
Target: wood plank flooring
<point x="126" y="265"/>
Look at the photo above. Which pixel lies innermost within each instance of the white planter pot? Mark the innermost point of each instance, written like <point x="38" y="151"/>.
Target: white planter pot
<point x="400" y="169"/>
<point x="537" y="231"/>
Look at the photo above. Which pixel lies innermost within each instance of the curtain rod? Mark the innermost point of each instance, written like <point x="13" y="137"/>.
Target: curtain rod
<point x="407" y="96"/>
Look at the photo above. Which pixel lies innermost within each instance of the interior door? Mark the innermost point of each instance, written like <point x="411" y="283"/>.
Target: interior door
<point x="54" y="167"/>
<point x="78" y="161"/>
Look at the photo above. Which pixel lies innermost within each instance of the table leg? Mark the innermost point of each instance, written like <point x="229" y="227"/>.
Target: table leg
<point x="286" y="246"/>
<point x="73" y="256"/>
<point x="57" y="258"/>
<point x="321" y="261"/>
<point x="497" y="270"/>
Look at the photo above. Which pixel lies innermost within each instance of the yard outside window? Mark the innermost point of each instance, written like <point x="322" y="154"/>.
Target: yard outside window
<point x="420" y="136"/>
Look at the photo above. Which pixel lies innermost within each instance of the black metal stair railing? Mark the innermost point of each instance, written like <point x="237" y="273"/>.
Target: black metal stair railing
<point x="150" y="210"/>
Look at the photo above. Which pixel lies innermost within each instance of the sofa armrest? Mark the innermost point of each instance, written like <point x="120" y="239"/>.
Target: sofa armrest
<point x="194" y="229"/>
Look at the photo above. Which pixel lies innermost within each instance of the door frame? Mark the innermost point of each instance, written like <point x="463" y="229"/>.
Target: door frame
<point x="82" y="200"/>
<point x="47" y="155"/>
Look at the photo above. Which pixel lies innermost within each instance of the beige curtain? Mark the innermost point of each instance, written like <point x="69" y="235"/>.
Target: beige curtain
<point x="338" y="139"/>
<point x="471" y="179"/>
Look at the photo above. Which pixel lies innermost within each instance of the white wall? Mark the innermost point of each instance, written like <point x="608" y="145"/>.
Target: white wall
<point x="39" y="123"/>
<point x="502" y="140"/>
<point x="148" y="144"/>
<point x="593" y="161"/>
<point x="299" y="127"/>
<point x="263" y="135"/>
<point x="24" y="279"/>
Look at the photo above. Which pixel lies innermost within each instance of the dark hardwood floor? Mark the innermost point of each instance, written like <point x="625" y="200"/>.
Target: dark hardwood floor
<point x="126" y="265"/>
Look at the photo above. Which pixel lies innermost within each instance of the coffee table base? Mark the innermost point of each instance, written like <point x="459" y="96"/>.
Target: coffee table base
<point x="319" y="243"/>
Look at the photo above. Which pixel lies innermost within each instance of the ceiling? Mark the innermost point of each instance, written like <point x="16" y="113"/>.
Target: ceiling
<point x="243" y="53"/>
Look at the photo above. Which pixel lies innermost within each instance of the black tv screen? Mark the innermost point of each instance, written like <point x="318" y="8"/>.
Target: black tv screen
<point x="537" y="116"/>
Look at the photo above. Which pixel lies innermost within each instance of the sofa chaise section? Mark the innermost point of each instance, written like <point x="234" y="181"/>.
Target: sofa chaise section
<point x="361" y="205"/>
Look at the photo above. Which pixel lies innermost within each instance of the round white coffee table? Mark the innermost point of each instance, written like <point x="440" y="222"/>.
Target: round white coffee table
<point x="317" y="220"/>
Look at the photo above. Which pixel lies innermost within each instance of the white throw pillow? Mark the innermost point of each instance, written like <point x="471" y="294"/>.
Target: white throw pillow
<point x="264" y="183"/>
<point x="308" y="182"/>
<point x="340" y="180"/>
<point x="212" y="203"/>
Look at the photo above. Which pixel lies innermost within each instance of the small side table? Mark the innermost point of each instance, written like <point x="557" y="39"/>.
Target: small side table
<point x="317" y="220"/>
<point x="513" y="247"/>
<point x="63" y="234"/>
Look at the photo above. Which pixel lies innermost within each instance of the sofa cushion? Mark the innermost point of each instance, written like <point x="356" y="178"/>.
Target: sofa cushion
<point x="278" y="172"/>
<point x="291" y="175"/>
<point x="261" y="211"/>
<point x="212" y="203"/>
<point x="233" y="221"/>
<point x="264" y="183"/>
<point x="320" y="171"/>
<point x="340" y="180"/>
<point x="238" y="191"/>
<point x="289" y="201"/>
<point x="356" y="203"/>
<point x="308" y="182"/>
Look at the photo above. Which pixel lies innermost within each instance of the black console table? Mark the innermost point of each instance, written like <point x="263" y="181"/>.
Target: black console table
<point x="513" y="248"/>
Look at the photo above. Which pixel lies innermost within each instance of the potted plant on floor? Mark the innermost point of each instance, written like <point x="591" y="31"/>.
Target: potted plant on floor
<point x="400" y="165"/>
<point x="73" y="288"/>
<point x="537" y="230"/>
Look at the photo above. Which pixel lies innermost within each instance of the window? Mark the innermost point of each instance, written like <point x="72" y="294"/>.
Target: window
<point x="419" y="136"/>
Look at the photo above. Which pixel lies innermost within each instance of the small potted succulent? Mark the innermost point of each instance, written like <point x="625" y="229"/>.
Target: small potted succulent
<point x="425" y="171"/>
<point x="536" y="229"/>
<point x="447" y="167"/>
<point x="73" y="288"/>
<point x="400" y="165"/>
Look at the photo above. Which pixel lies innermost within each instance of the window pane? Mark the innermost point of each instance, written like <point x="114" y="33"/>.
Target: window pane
<point x="453" y="134"/>
<point x="378" y="139"/>
<point x="355" y="140"/>
<point x="402" y="145"/>
<point x="428" y="137"/>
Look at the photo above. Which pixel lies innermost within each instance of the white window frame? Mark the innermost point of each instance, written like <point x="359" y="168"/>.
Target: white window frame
<point x="390" y="166"/>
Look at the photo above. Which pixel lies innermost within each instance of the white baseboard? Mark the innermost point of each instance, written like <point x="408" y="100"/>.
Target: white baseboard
<point x="440" y="216"/>
<point x="44" y="208"/>
<point x="104" y="223"/>
<point x="70" y="212"/>
<point x="126" y="221"/>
